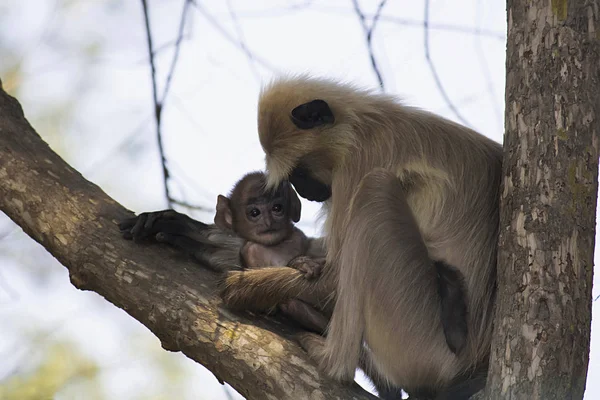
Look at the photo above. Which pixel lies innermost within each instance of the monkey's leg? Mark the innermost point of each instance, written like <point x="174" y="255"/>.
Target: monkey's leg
<point x="387" y="292"/>
<point x="305" y="315"/>
<point x="454" y="308"/>
<point x="384" y="389"/>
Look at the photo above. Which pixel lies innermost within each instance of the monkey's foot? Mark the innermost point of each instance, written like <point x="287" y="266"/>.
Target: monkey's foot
<point x="315" y="347"/>
<point x="310" y="267"/>
<point x="313" y="344"/>
<point x="335" y="368"/>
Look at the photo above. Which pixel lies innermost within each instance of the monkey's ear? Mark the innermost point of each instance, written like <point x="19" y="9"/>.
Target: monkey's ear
<point x="223" y="217"/>
<point x="312" y="114"/>
<point x="295" y="206"/>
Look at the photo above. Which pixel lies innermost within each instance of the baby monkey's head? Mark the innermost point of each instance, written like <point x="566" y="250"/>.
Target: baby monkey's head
<point x="258" y="214"/>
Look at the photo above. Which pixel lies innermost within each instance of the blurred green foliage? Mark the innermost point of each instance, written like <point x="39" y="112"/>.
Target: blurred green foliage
<point x="61" y="368"/>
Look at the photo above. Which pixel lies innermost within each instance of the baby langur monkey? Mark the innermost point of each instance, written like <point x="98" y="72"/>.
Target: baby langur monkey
<point x="265" y="220"/>
<point x="253" y="228"/>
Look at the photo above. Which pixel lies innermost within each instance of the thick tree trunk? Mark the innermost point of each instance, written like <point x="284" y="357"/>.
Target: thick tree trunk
<point x="548" y="211"/>
<point x="76" y="222"/>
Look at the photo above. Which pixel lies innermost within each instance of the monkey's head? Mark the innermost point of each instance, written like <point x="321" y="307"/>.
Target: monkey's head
<point x="305" y="127"/>
<point x="258" y="214"/>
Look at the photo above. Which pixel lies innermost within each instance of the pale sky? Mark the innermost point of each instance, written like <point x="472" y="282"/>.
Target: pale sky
<point x="210" y="115"/>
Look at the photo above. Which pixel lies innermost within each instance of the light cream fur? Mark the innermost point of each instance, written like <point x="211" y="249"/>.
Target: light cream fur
<point x="408" y="186"/>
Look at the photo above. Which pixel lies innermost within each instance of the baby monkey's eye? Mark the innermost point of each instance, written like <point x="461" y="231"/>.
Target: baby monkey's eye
<point x="277" y="208"/>
<point x="255" y="212"/>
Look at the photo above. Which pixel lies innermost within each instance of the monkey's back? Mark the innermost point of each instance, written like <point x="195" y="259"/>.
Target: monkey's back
<point x="463" y="222"/>
<point x="451" y="176"/>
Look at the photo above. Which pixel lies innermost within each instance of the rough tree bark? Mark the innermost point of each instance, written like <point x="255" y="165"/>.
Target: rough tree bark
<point x="176" y="299"/>
<point x="548" y="210"/>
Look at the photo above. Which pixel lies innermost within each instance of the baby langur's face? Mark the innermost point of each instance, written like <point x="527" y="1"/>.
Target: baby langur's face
<point x="264" y="217"/>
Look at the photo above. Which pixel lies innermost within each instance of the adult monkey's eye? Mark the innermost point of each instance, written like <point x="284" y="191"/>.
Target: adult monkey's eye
<point x="255" y="212"/>
<point x="277" y="208"/>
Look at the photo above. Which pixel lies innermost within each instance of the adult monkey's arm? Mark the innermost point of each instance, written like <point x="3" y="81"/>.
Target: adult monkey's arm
<point x="76" y="222"/>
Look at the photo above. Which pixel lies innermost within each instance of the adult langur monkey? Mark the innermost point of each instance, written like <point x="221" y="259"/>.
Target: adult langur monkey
<point x="401" y="187"/>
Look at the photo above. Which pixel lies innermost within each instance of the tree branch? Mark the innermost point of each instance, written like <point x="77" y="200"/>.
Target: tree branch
<point x="177" y="300"/>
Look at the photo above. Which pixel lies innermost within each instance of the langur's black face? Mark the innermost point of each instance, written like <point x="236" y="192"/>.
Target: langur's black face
<point x="308" y="116"/>
<point x="309" y="187"/>
<point x="265" y="218"/>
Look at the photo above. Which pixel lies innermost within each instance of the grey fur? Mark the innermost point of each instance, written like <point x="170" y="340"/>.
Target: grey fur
<point x="408" y="187"/>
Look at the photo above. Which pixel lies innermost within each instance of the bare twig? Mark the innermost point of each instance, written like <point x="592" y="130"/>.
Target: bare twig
<point x="500" y="36"/>
<point x="242" y="41"/>
<point x="211" y="20"/>
<point x="168" y="45"/>
<point x="463" y="101"/>
<point x="343" y="12"/>
<point x="438" y="82"/>
<point x="369" y="35"/>
<point x="157" y="106"/>
<point x="186" y="3"/>
<point x="159" y="102"/>
<point x="274" y="12"/>
<point x="192" y="183"/>
<point x="126" y="140"/>
<point x="446" y="27"/>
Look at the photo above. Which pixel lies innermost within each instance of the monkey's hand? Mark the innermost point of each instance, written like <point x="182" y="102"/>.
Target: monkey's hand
<point x="147" y="225"/>
<point x="310" y="267"/>
<point x="209" y="245"/>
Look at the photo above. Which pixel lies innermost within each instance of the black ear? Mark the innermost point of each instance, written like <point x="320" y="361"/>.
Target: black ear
<point x="312" y="114"/>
